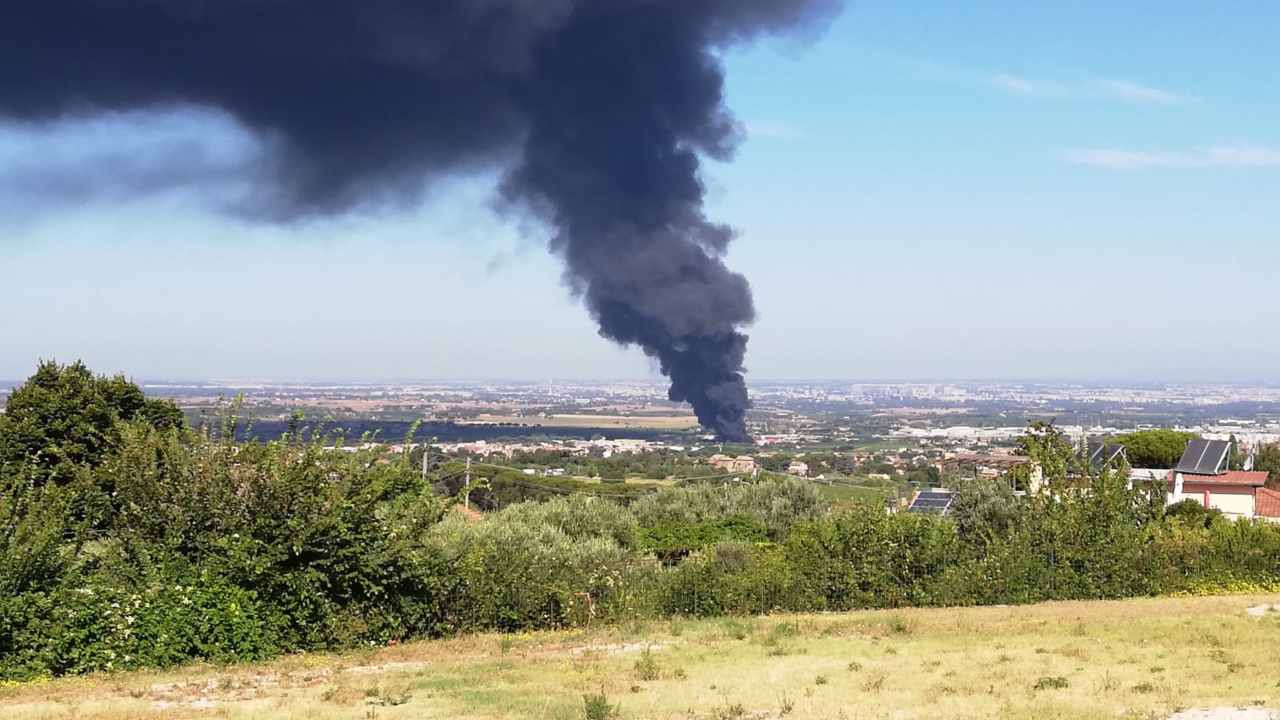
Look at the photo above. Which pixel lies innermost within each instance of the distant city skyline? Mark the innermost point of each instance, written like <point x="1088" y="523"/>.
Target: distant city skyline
<point x="923" y="193"/>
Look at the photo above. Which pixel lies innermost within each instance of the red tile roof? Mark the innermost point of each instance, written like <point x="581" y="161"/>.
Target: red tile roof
<point x="1266" y="503"/>
<point x="1235" y="477"/>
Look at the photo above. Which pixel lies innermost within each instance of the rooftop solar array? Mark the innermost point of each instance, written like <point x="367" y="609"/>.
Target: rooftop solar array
<point x="1204" y="457"/>
<point x="932" y="501"/>
<point x="1101" y="454"/>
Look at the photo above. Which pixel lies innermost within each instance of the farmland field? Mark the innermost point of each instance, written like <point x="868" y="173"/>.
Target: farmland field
<point x="649" y="422"/>
<point x="1135" y="659"/>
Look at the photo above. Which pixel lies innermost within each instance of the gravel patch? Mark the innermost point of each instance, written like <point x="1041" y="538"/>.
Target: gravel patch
<point x="617" y="649"/>
<point x="1226" y="714"/>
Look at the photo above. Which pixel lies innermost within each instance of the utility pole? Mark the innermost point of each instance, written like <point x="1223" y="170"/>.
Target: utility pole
<point x="426" y="455"/>
<point x="466" y="483"/>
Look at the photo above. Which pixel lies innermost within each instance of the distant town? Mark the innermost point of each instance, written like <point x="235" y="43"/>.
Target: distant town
<point x="955" y="415"/>
<point x="870" y="441"/>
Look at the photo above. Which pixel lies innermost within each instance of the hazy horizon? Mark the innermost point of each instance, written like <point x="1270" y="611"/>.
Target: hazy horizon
<point x="654" y="380"/>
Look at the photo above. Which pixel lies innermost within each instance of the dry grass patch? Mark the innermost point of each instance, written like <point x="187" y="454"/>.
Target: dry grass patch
<point x="1130" y="659"/>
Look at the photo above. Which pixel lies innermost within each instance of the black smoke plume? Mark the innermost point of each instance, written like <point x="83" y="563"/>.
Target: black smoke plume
<point x="597" y="109"/>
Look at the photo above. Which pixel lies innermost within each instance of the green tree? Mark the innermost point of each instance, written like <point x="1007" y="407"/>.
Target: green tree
<point x="1268" y="459"/>
<point x="64" y="418"/>
<point x="1235" y="461"/>
<point x="985" y="511"/>
<point x="1155" y="448"/>
<point x="1048" y="446"/>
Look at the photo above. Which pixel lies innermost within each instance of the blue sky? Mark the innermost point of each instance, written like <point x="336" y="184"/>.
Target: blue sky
<point x="1001" y="190"/>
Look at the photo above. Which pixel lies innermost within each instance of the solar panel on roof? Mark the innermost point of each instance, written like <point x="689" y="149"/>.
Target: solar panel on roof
<point x="1192" y="456"/>
<point x="1214" y="457"/>
<point x="931" y="501"/>
<point x="1113" y="452"/>
<point x="1204" y="457"/>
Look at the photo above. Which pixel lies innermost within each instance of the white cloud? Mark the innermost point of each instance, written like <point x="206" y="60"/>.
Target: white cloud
<point x="772" y="130"/>
<point x="1138" y="93"/>
<point x="1017" y="85"/>
<point x="1108" y="89"/>
<point x="1217" y="156"/>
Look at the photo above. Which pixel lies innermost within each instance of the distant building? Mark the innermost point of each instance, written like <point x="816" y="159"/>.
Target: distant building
<point x="798" y="468"/>
<point x="744" y="464"/>
<point x="1147" y="476"/>
<point x="1202" y="475"/>
<point x="993" y="466"/>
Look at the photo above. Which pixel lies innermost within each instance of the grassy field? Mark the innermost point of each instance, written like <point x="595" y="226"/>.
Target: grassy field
<point x="1127" y="659"/>
<point x="849" y="493"/>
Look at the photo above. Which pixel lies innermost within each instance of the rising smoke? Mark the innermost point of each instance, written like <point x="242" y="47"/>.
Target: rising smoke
<point x="598" y="110"/>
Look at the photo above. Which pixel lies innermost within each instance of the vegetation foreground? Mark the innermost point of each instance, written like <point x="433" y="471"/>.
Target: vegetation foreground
<point x="131" y="542"/>
<point x="1141" y="658"/>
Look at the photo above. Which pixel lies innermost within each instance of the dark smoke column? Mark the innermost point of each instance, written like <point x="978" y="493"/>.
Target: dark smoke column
<point x="597" y="110"/>
<point x="620" y="103"/>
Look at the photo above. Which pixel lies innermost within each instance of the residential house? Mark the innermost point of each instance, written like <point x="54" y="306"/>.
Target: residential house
<point x="1203" y="475"/>
<point x="744" y="464"/>
<point x="1103" y="456"/>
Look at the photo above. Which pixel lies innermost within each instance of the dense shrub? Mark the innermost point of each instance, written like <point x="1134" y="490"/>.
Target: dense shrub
<point x="1193" y="512"/>
<point x="673" y="540"/>
<point x="494" y="488"/>
<point x="864" y="557"/>
<point x="579" y="517"/>
<point x="776" y="504"/>
<point x="985" y="510"/>
<point x="149" y="544"/>
<point x="728" y="578"/>
<point x="333" y="539"/>
<point x="105" y="623"/>
<point x="508" y="574"/>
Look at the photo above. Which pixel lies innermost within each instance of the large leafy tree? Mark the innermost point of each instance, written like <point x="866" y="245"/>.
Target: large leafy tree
<point x="1155" y="448"/>
<point x="1268" y="459"/>
<point x="64" y="418"/>
<point x="1049" y="447"/>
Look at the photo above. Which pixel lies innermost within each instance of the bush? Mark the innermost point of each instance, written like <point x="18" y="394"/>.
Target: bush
<point x="105" y="624"/>
<point x="985" y="510"/>
<point x="776" y="504"/>
<point x="864" y="557"/>
<point x="507" y="574"/>
<point x="673" y="540"/>
<point x="728" y="579"/>
<point x="597" y="707"/>
<point x="150" y="544"/>
<point x="1051" y="682"/>
<point x="1193" y="512"/>
<point x="578" y="517"/>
